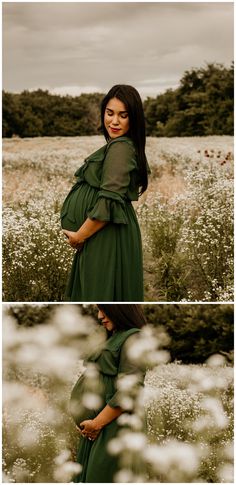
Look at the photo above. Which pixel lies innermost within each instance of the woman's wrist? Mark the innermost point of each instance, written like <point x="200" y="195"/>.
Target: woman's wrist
<point x="97" y="425"/>
<point x="79" y="237"/>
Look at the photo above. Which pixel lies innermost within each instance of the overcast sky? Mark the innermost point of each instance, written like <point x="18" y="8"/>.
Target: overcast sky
<point x="85" y="47"/>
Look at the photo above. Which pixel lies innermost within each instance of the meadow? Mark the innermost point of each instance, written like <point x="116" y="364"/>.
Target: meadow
<point x="189" y="408"/>
<point x="186" y="217"/>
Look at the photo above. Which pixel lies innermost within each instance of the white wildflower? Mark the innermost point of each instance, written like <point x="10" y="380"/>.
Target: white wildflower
<point x="91" y="400"/>
<point x="216" y="360"/>
<point x="126" y="382"/>
<point x="62" y="457"/>
<point x="226" y="473"/>
<point x="65" y="472"/>
<point x="214" y="407"/>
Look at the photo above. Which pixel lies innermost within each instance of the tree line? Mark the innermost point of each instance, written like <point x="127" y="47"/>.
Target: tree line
<point x="201" y="105"/>
<point x="196" y="331"/>
<point x="39" y="113"/>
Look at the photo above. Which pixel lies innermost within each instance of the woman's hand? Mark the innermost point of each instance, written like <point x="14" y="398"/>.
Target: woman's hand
<point x="73" y="239"/>
<point x="88" y="429"/>
<point x="88" y="229"/>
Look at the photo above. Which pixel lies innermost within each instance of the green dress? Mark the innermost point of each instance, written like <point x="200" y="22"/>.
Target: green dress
<point x="98" y="465"/>
<point x="109" y="267"/>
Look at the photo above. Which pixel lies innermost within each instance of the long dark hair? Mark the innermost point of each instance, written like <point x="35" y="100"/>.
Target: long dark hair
<point x="131" y="98"/>
<point x="124" y="316"/>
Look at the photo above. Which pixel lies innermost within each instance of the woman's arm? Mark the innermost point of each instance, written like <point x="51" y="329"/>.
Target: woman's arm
<point x="92" y="427"/>
<point x="106" y="416"/>
<point x="88" y="228"/>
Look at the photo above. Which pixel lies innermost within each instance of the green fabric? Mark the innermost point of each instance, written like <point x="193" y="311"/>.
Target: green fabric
<point x="109" y="268"/>
<point x="98" y="465"/>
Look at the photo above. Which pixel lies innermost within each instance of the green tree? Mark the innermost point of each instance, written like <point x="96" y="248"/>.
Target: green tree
<point x="201" y="105"/>
<point x="196" y="331"/>
<point x="40" y="113"/>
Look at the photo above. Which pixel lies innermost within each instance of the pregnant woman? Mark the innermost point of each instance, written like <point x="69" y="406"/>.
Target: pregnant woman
<point x="98" y="427"/>
<point x="97" y="216"/>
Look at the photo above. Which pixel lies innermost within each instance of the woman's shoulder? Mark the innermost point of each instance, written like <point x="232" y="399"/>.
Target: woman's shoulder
<point x="121" y="141"/>
<point x="122" y="148"/>
<point x="119" y="337"/>
<point x="131" y="337"/>
<point x="121" y="138"/>
<point x="122" y="145"/>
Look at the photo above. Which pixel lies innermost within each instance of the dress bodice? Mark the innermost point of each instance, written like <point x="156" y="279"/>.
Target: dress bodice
<point x="111" y="175"/>
<point x="113" y="168"/>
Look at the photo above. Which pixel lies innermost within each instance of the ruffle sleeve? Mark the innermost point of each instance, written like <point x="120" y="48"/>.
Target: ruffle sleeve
<point x="110" y="207"/>
<point x="119" y="162"/>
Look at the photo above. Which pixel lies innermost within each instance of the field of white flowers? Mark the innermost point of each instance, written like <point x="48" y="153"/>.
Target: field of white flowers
<point x="189" y="408"/>
<point x="186" y="217"/>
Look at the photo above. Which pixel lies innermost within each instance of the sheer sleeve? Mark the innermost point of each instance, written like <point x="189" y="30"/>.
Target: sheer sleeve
<point x="127" y="367"/>
<point x="119" y="162"/>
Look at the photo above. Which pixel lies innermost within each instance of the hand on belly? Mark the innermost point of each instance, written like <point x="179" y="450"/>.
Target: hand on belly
<point x="73" y="240"/>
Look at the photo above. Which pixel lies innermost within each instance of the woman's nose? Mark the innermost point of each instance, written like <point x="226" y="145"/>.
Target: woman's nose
<point x="115" y="120"/>
<point x="100" y="315"/>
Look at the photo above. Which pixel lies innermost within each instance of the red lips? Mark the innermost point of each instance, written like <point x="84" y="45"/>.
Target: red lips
<point x="114" y="129"/>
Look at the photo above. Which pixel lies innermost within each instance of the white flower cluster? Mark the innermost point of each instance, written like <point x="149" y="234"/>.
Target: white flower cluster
<point x="187" y="228"/>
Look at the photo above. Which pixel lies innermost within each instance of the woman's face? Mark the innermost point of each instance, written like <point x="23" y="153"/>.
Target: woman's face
<point x="116" y="118"/>
<point x="106" y="322"/>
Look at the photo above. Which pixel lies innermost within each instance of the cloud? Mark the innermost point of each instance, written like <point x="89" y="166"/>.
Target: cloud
<point x="75" y="90"/>
<point x="81" y="45"/>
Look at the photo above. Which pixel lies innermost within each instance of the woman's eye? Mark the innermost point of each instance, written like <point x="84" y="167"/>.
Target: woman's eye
<point x="122" y="115"/>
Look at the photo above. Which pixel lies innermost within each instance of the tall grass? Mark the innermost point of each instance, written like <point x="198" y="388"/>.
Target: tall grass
<point x="188" y="240"/>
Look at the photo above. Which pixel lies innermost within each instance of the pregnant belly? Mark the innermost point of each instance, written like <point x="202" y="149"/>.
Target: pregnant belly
<point x="80" y="401"/>
<point x="76" y="206"/>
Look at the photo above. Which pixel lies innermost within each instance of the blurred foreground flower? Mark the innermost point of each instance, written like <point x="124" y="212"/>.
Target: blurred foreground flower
<point x="189" y="408"/>
<point x="65" y="469"/>
<point x="147" y="351"/>
<point x="37" y="425"/>
<point x="174" y="461"/>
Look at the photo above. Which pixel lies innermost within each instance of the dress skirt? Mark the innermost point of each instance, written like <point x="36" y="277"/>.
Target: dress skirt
<point x="98" y="465"/>
<point x="109" y="267"/>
